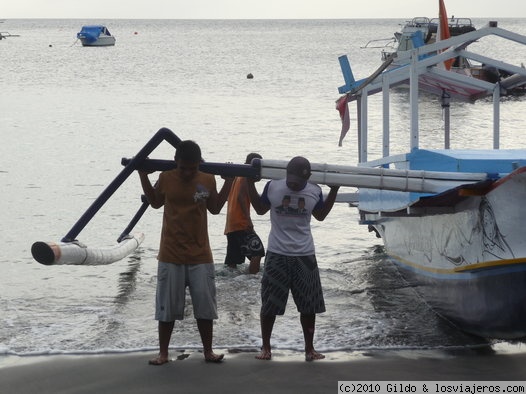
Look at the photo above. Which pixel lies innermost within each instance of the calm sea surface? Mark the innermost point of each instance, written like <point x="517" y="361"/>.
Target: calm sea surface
<point x="68" y="115"/>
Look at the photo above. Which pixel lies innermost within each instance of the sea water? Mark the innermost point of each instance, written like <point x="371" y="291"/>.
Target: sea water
<point x="68" y="114"/>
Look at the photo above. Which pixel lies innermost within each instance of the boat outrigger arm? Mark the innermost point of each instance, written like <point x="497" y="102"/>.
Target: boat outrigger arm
<point x="71" y="251"/>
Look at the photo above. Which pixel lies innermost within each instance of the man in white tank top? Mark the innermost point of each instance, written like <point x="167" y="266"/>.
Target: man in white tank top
<point x="290" y="263"/>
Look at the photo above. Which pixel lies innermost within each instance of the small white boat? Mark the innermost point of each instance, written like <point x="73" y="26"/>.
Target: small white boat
<point x="5" y="34"/>
<point x="427" y="32"/>
<point x="95" y="36"/>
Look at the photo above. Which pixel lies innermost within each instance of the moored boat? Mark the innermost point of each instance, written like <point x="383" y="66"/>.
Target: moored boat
<point x="421" y="31"/>
<point x="461" y="247"/>
<point x="6" y="34"/>
<point x="95" y="36"/>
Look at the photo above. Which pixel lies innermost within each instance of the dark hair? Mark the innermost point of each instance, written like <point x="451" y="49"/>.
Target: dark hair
<point x="299" y="167"/>
<point x="252" y="156"/>
<point x="188" y="151"/>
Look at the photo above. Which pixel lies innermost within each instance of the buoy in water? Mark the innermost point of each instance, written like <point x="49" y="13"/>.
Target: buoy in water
<point x="250" y="76"/>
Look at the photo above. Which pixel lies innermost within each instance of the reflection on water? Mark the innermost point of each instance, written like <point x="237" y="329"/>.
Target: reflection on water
<point x="128" y="279"/>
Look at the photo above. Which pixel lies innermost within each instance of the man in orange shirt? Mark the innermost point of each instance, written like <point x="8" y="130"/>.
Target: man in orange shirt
<point x="185" y="257"/>
<point x="242" y="240"/>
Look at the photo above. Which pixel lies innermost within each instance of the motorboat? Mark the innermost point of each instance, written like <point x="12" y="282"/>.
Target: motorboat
<point x="421" y="31"/>
<point x="6" y="34"/>
<point x="95" y="36"/>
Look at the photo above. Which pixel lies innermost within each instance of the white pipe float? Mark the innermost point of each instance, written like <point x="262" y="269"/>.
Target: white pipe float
<point x="75" y="253"/>
<point x="376" y="178"/>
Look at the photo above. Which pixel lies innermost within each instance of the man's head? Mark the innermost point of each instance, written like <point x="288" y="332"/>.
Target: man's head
<point x="188" y="158"/>
<point x="252" y="156"/>
<point x="298" y="173"/>
<point x="188" y="151"/>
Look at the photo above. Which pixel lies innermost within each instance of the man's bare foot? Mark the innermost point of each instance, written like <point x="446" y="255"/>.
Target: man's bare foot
<point x="313" y="356"/>
<point x="265" y="354"/>
<point x="211" y="357"/>
<point x="159" y="360"/>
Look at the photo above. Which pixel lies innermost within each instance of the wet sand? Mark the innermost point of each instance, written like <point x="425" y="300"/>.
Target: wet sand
<point x="240" y="372"/>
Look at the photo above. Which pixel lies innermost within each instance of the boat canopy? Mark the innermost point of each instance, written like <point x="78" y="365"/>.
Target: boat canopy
<point x="92" y="32"/>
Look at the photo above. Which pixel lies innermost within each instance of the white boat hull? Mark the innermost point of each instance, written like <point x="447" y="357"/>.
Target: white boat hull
<point x="102" y="41"/>
<point x="468" y="261"/>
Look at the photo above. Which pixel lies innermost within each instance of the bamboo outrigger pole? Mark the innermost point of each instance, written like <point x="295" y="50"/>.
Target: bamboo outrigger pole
<point x="161" y="135"/>
<point x="70" y="251"/>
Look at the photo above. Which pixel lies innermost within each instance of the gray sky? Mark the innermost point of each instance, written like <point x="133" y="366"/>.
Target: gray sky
<point x="258" y="9"/>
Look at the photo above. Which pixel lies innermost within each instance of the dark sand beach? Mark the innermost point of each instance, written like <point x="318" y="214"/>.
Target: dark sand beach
<point x="241" y="373"/>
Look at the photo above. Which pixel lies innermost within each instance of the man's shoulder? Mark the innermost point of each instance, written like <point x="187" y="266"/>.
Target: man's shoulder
<point x="313" y="186"/>
<point x="168" y="173"/>
<point x="277" y="183"/>
<point x="208" y="181"/>
<point x="204" y="176"/>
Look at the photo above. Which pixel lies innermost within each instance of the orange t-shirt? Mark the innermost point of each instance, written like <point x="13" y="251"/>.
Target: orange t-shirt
<point x="184" y="235"/>
<point x="238" y="211"/>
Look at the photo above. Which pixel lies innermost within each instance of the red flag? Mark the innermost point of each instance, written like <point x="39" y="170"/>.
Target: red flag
<point x="343" y="109"/>
<point x="444" y="29"/>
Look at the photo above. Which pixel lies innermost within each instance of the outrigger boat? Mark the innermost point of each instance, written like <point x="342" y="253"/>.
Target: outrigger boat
<point x="461" y="246"/>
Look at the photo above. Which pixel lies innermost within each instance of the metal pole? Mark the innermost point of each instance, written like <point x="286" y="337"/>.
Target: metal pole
<point x="386" y="116"/>
<point x="359" y="128"/>
<point x="161" y="135"/>
<point x="222" y="169"/>
<point x="496" y="116"/>
<point x="144" y="206"/>
<point x="445" y="106"/>
<point x="363" y="126"/>
<point x="413" y="99"/>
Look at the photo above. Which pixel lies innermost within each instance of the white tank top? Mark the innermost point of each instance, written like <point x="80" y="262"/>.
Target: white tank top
<point x="290" y="216"/>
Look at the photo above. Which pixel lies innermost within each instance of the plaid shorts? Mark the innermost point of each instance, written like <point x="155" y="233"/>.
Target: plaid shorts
<point x="300" y="275"/>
